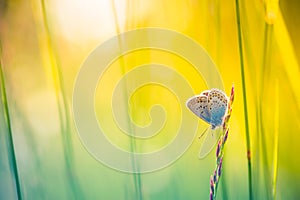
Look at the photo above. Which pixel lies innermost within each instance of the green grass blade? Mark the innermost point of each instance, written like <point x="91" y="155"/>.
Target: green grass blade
<point x="135" y="165"/>
<point x="276" y="131"/>
<point x="61" y="98"/>
<point x="263" y="77"/>
<point x="13" y="160"/>
<point x="244" y="97"/>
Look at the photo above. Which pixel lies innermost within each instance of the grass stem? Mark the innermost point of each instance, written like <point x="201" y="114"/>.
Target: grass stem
<point x="134" y="161"/>
<point x="244" y="97"/>
<point x="275" y="154"/>
<point x="263" y="77"/>
<point x="12" y="155"/>
<point x="61" y="99"/>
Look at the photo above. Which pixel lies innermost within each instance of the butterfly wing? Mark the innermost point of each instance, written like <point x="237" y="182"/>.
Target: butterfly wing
<point x="217" y="105"/>
<point x="210" y="106"/>
<point x="199" y="106"/>
<point x="209" y="142"/>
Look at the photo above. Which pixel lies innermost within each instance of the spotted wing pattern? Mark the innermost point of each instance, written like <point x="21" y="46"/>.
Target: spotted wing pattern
<point x="199" y="106"/>
<point x="217" y="105"/>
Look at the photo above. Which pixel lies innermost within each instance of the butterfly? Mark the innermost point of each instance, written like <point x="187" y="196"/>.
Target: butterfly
<point x="210" y="106"/>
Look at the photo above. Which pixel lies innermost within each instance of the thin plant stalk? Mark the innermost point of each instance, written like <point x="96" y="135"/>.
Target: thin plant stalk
<point x="135" y="165"/>
<point x="271" y="7"/>
<point x="12" y="155"/>
<point x="265" y="63"/>
<point x="276" y="131"/>
<point x="244" y="97"/>
<point x="215" y="178"/>
<point x="63" y="107"/>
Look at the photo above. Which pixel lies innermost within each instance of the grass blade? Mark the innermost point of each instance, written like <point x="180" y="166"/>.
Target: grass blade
<point x="134" y="161"/>
<point x="276" y="131"/>
<point x="61" y="98"/>
<point x="13" y="160"/>
<point x="244" y="97"/>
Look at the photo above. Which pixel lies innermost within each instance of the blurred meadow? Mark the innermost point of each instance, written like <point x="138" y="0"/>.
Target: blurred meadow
<point x="43" y="45"/>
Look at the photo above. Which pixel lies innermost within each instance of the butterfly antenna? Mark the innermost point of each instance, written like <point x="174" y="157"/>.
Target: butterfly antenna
<point x="203" y="133"/>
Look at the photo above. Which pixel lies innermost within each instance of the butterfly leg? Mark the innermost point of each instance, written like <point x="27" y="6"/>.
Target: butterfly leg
<point x="203" y="133"/>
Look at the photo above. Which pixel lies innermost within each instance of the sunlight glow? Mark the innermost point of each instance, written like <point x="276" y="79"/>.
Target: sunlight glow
<point x="88" y="19"/>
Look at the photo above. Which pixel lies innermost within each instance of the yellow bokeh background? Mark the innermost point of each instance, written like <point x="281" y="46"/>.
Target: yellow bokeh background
<point x="44" y="44"/>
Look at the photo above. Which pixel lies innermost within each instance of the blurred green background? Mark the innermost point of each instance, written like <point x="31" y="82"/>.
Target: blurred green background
<point x="43" y="45"/>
